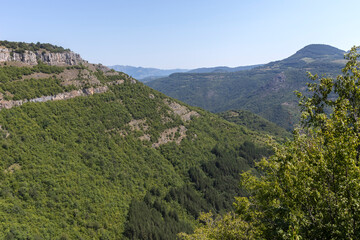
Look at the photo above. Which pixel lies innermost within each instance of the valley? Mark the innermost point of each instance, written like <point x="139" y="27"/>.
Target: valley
<point x="266" y="90"/>
<point x="148" y="74"/>
<point x="179" y="120"/>
<point x="91" y="153"/>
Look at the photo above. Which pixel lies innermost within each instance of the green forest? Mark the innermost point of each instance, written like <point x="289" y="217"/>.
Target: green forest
<point x="20" y="47"/>
<point x="78" y="169"/>
<point x="255" y="122"/>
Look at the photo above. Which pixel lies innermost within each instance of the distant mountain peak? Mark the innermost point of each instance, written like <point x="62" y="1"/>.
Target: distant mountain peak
<point x="318" y="51"/>
<point x="145" y="74"/>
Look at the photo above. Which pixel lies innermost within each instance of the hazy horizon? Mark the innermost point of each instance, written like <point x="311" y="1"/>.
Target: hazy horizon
<point x="186" y="34"/>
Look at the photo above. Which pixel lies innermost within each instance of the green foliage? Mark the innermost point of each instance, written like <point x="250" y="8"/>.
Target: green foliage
<point x="20" y="47"/>
<point x="214" y="184"/>
<point x="15" y="88"/>
<point x="216" y="181"/>
<point x="227" y="227"/>
<point x="34" y="88"/>
<point x="147" y="220"/>
<point x="74" y="169"/>
<point x="254" y="122"/>
<point x="44" y="68"/>
<point x="108" y="78"/>
<point x="310" y="187"/>
<point x="11" y="73"/>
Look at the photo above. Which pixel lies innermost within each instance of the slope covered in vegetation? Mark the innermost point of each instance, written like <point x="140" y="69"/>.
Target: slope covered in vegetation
<point x="254" y="122"/>
<point x="126" y="161"/>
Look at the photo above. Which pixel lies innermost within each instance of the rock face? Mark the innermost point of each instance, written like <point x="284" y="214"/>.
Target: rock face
<point x="184" y="113"/>
<point x="169" y="135"/>
<point x="60" y="96"/>
<point x="31" y="58"/>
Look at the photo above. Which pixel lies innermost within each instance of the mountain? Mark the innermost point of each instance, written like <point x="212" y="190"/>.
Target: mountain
<point x="91" y="153"/>
<point x="145" y="74"/>
<point x="267" y="90"/>
<point x="223" y="69"/>
<point x="150" y="74"/>
<point x="317" y="52"/>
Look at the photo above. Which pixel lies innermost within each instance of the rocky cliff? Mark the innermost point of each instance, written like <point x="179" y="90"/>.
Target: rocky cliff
<point x="23" y="79"/>
<point x="31" y="58"/>
<point x="61" y="96"/>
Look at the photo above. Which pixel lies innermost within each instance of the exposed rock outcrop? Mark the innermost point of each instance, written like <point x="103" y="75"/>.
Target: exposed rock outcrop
<point x="277" y="82"/>
<point x="14" y="167"/>
<point x="169" y="135"/>
<point x="31" y="58"/>
<point x="138" y="125"/>
<point x="274" y="85"/>
<point x="60" y="96"/>
<point x="184" y="113"/>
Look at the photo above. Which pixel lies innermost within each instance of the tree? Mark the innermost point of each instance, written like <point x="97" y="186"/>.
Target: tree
<point x="310" y="187"/>
<point x="227" y="227"/>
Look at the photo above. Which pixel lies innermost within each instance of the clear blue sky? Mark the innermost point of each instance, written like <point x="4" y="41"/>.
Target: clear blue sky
<point x="183" y="33"/>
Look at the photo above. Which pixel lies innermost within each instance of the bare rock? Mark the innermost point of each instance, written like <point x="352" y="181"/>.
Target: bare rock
<point x="14" y="167"/>
<point x="31" y="58"/>
<point x="169" y="135"/>
<point x="184" y="113"/>
<point x="60" y="96"/>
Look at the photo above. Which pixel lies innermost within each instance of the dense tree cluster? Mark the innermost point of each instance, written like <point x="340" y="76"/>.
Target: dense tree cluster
<point x="20" y="47"/>
<point x="108" y="78"/>
<point x="12" y="73"/>
<point x="255" y="122"/>
<point x="14" y="87"/>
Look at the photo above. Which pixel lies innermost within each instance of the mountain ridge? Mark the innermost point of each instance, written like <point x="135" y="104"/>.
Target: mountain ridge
<point x="150" y="74"/>
<point x="266" y="90"/>
<point x="318" y="50"/>
<point x="142" y="73"/>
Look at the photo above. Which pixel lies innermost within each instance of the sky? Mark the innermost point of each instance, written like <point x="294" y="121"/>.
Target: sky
<point x="182" y="33"/>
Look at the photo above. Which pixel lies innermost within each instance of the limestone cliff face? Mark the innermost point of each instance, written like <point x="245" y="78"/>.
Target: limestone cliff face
<point x="84" y="79"/>
<point x="61" y="96"/>
<point x="31" y="58"/>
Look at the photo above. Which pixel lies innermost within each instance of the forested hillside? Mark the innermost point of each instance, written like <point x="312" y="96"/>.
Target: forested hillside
<point x="267" y="90"/>
<point x="255" y="123"/>
<point x="90" y="153"/>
